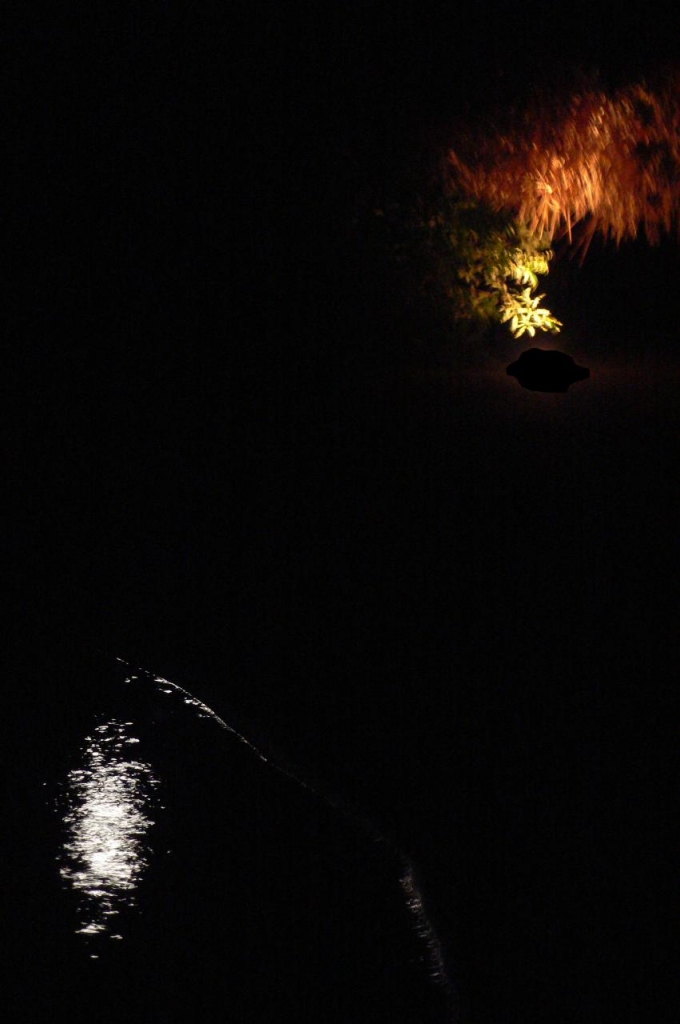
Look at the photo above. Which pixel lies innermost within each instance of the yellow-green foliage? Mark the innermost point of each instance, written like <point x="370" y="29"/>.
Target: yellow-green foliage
<point x="524" y="314"/>
<point x="476" y="265"/>
<point x="520" y="307"/>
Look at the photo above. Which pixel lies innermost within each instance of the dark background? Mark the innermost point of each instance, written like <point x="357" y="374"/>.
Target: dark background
<point x="227" y="457"/>
<point x="183" y="284"/>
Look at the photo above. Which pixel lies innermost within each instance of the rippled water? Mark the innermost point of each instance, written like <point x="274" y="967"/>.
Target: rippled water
<point x="192" y="876"/>
<point x="110" y="804"/>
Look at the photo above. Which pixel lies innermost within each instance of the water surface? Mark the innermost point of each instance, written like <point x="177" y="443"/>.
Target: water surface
<point x="176" y="873"/>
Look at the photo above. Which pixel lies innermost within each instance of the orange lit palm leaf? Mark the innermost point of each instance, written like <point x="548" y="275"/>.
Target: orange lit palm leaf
<point x="610" y="163"/>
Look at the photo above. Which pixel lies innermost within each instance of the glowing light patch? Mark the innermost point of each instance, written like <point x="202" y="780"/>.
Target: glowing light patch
<point x="104" y="853"/>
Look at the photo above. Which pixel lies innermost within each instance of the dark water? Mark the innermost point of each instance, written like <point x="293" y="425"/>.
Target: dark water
<point x="459" y="618"/>
<point x="158" y="867"/>
<point x="480" y="649"/>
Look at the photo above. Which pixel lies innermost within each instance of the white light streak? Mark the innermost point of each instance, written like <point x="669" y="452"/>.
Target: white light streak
<point x="104" y="854"/>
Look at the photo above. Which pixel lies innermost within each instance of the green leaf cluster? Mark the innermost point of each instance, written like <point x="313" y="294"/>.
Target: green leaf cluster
<point x="473" y="263"/>
<point x="524" y="315"/>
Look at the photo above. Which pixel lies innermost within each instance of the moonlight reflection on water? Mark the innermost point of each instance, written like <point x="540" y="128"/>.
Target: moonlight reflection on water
<point x="104" y="852"/>
<point x="111" y="799"/>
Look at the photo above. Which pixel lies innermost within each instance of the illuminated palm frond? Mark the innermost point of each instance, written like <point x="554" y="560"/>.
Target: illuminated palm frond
<point x="609" y="163"/>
